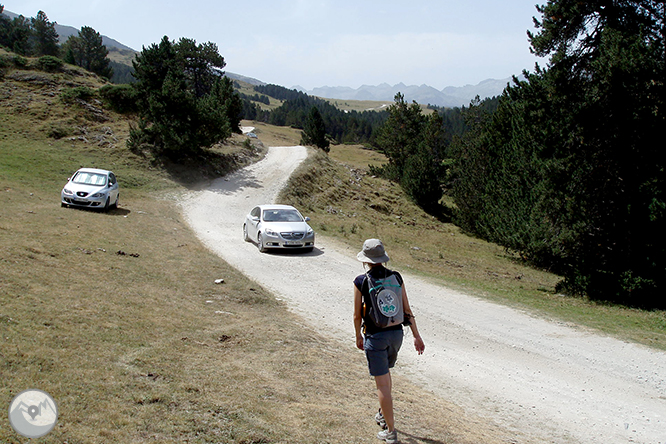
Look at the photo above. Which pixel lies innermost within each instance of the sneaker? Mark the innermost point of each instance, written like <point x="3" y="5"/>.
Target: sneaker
<point x="379" y="417"/>
<point x="389" y="437"/>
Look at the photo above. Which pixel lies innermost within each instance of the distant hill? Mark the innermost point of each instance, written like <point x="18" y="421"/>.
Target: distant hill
<point x="65" y="31"/>
<point x="451" y="96"/>
<point x="245" y="79"/>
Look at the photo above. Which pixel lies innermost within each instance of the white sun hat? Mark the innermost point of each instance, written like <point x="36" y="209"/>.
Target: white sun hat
<point x="373" y="252"/>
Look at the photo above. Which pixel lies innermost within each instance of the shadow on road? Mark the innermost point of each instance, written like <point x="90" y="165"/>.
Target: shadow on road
<point x="294" y="252"/>
<point x="406" y="438"/>
<point x="235" y="182"/>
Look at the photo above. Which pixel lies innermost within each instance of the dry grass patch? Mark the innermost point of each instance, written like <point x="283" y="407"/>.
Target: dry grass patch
<point x="368" y="105"/>
<point x="360" y="105"/>
<point x="357" y="156"/>
<point x="275" y="135"/>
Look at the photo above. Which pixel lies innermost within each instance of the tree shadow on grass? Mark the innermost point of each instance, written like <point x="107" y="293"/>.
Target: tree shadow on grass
<point x="119" y="211"/>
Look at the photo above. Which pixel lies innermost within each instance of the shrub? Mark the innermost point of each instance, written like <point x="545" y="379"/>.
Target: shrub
<point x="20" y="61"/>
<point x="120" y="98"/>
<point x="80" y="92"/>
<point x="49" y="63"/>
<point x="58" y="132"/>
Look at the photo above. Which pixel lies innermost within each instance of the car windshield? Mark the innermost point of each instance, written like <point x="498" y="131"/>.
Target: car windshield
<point x="282" y="216"/>
<point x="90" y="179"/>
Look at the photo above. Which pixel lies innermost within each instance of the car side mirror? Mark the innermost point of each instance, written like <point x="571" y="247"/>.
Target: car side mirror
<point x="307" y="219"/>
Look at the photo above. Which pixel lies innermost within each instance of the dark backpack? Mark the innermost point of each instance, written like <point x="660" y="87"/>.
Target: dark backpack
<point x="385" y="307"/>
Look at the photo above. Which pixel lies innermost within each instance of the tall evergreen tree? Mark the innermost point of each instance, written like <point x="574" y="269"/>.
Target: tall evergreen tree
<point x="87" y="51"/>
<point x="414" y="145"/>
<point x="423" y="172"/>
<point x="4" y="27"/>
<point x="44" y="35"/>
<point x="314" y="132"/>
<point x="15" y="34"/>
<point x="400" y="135"/>
<point x="185" y="103"/>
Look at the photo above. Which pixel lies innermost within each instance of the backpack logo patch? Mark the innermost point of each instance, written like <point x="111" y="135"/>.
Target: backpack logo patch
<point x="387" y="302"/>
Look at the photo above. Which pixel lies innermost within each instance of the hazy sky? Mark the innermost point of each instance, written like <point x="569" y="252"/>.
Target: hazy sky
<point x="314" y="43"/>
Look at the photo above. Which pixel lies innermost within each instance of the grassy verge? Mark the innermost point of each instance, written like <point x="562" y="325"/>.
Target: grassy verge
<point x="350" y="206"/>
<point x="117" y="315"/>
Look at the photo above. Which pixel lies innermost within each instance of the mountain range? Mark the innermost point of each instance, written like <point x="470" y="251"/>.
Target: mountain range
<point x="451" y="96"/>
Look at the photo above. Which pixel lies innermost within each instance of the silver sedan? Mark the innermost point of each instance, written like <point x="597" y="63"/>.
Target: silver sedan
<point x="91" y="188"/>
<point x="278" y="226"/>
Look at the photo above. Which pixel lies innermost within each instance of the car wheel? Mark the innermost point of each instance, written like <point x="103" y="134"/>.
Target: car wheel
<point x="64" y="205"/>
<point x="115" y="204"/>
<point x="260" y="243"/>
<point x="246" y="238"/>
<point x="107" y="204"/>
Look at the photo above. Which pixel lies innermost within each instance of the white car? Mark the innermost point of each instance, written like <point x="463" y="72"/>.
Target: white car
<point x="91" y="188"/>
<point x="278" y="227"/>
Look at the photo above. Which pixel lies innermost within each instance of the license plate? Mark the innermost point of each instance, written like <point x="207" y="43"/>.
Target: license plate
<point x="293" y="243"/>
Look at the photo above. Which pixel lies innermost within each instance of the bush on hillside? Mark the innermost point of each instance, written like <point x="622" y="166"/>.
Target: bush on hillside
<point x="70" y="95"/>
<point x="120" y="98"/>
<point x="49" y="63"/>
<point x="20" y="62"/>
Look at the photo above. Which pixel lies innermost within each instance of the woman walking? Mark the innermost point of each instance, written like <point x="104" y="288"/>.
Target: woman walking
<point x="381" y="308"/>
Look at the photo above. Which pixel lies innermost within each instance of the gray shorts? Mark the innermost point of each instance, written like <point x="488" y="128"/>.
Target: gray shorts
<point x="381" y="350"/>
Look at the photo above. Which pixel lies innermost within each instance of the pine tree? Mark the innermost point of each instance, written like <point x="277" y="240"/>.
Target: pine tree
<point x="400" y="135"/>
<point x="414" y="145"/>
<point x="16" y="34"/>
<point x="87" y="51"/>
<point x="314" y="133"/>
<point x="44" y="35"/>
<point x="184" y="102"/>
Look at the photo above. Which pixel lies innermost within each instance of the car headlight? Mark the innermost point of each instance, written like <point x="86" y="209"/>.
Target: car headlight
<point x="270" y="232"/>
<point x="66" y="191"/>
<point x="99" y="195"/>
<point x="310" y="231"/>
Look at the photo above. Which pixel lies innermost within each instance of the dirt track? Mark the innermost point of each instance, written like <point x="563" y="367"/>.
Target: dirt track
<point x="549" y="382"/>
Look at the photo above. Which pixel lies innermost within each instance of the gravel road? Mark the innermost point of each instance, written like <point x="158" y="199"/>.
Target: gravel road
<point x="548" y="382"/>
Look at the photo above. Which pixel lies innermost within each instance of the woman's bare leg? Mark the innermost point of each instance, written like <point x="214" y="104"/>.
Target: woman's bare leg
<point x="385" y="399"/>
